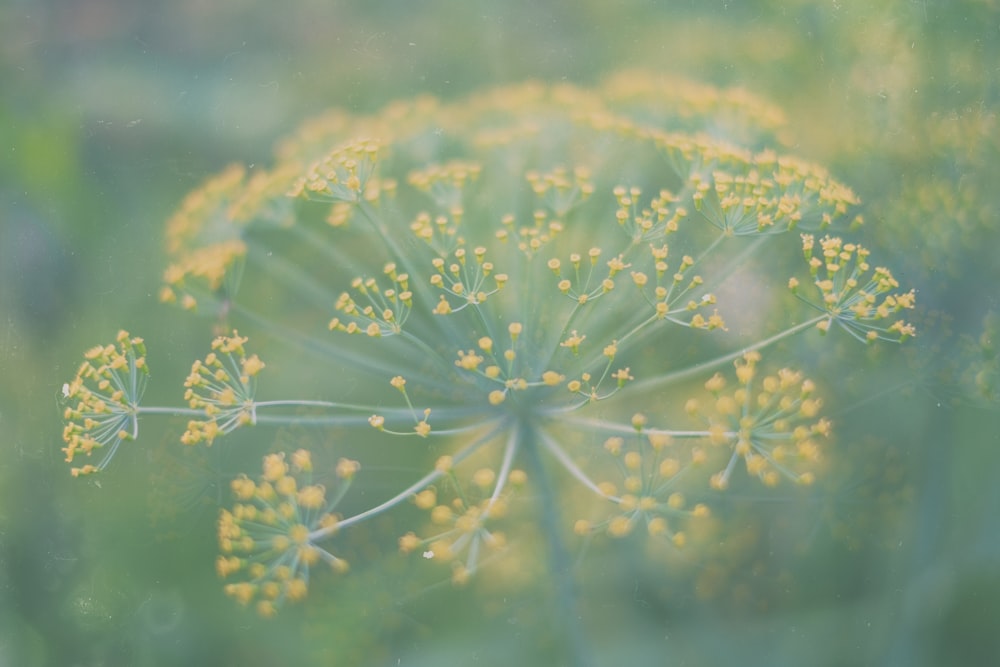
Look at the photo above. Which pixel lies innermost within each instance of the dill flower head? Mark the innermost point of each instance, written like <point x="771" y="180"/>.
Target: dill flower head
<point x="522" y="268"/>
<point x="266" y="539"/>
<point x="853" y="294"/>
<point x="522" y="283"/>
<point x="102" y="401"/>
<point x="223" y="386"/>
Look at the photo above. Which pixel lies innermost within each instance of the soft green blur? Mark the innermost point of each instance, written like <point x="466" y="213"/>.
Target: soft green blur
<point x="111" y="111"/>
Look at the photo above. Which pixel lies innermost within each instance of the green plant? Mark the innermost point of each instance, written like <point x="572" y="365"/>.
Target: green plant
<point x="588" y="294"/>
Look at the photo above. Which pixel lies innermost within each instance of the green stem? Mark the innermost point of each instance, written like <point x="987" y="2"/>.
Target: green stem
<point x="567" y="612"/>
<point x="144" y="410"/>
<point x="321" y="533"/>
<point x="571" y="466"/>
<point x="627" y="429"/>
<point x="676" y="376"/>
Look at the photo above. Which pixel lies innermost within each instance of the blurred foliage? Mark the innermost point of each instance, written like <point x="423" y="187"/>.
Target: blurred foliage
<point x="112" y="110"/>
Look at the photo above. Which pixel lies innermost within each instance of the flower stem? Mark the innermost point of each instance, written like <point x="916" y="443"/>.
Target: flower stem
<point x="429" y="478"/>
<point x="156" y="410"/>
<point x="570" y="466"/>
<point x="697" y="369"/>
<point x="567" y="610"/>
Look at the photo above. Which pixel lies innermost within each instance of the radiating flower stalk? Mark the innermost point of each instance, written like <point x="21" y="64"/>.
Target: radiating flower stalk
<point x="508" y="280"/>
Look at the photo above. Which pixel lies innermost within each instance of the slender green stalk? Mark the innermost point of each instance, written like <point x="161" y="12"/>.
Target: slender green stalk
<point x="567" y="615"/>
<point x="405" y="494"/>
<point x="666" y="379"/>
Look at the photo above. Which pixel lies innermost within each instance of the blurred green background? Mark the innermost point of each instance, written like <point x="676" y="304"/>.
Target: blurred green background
<point x="110" y="111"/>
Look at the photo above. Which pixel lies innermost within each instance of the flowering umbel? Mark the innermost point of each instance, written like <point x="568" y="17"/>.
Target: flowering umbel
<point x="527" y="277"/>
<point x="854" y="295"/>
<point x="223" y="386"/>
<point x="268" y="536"/>
<point x="103" y="401"/>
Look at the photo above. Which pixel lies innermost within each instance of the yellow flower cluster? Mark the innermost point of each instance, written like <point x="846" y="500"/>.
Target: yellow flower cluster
<point x="740" y="111"/>
<point x="462" y="524"/>
<point x="343" y="175"/>
<point x="103" y="401"/>
<point x="385" y="310"/>
<point x="464" y="283"/>
<point x="854" y="295"/>
<point x="661" y="218"/>
<point x="223" y="386"/>
<point x="560" y="190"/>
<point x="771" y="424"/>
<point x="665" y="295"/>
<point x="652" y="469"/>
<point x="445" y="182"/>
<point x="763" y="192"/>
<point x="204" y="240"/>
<point x="266" y="539"/>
